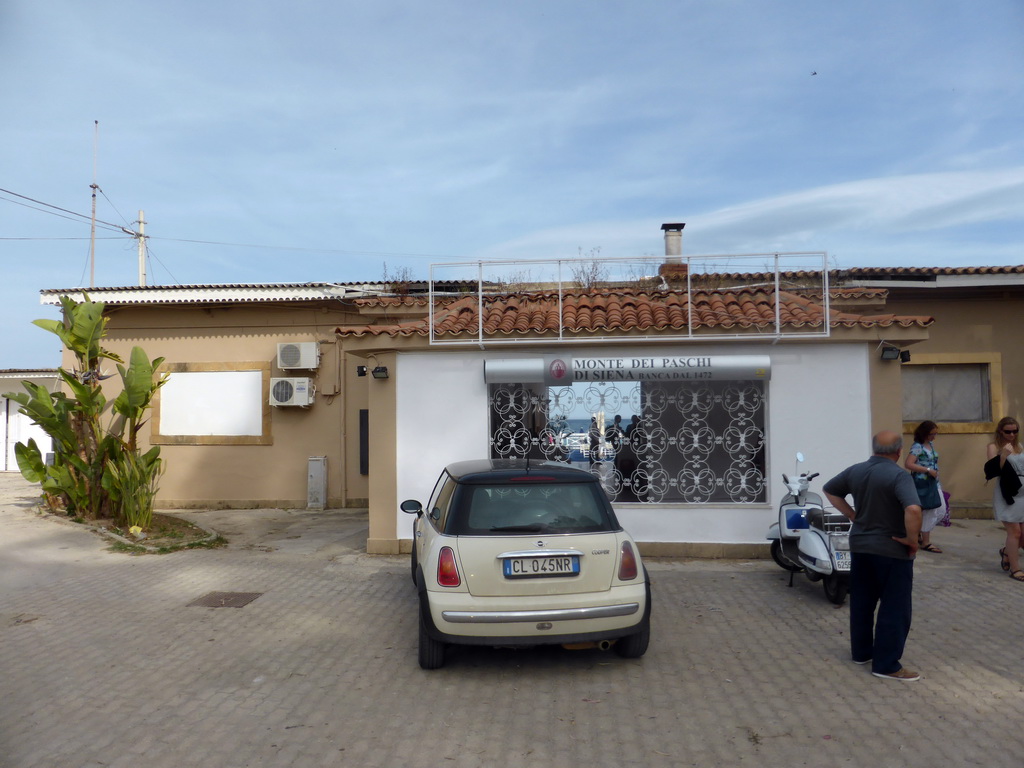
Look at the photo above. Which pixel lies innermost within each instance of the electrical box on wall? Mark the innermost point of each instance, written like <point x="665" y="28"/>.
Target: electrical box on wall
<point x="298" y="355"/>
<point x="291" y="391"/>
<point x="316" y="489"/>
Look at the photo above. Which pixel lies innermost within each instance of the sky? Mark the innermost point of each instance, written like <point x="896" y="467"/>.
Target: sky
<point x="342" y="141"/>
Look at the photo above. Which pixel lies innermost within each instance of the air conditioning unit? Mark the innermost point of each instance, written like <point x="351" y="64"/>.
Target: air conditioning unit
<point x="292" y="391"/>
<point x="298" y="355"/>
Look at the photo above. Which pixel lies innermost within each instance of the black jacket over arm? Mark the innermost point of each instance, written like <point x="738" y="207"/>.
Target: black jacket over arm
<point x="1009" y="482"/>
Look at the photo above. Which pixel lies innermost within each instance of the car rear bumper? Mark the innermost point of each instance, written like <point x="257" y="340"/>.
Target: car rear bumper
<point x="565" y="614"/>
<point x="466" y="620"/>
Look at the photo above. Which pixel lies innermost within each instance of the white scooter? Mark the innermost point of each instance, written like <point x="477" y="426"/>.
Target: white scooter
<point x="807" y="538"/>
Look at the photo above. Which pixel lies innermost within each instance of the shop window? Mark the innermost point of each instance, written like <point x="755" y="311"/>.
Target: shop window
<point x="649" y="442"/>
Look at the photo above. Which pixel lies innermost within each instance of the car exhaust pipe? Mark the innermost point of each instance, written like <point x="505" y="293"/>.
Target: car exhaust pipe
<point x="601" y="645"/>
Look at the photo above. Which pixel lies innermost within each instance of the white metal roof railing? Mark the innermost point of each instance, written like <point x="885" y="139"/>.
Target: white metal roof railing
<point x="778" y="271"/>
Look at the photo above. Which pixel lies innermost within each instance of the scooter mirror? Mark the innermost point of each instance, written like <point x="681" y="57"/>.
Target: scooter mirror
<point x="799" y="457"/>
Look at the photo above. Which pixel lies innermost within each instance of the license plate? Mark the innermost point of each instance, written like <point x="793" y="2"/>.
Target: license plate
<point x="842" y="560"/>
<point x="532" y="567"/>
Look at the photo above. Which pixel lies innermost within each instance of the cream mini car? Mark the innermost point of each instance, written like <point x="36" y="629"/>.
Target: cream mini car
<point x="511" y="552"/>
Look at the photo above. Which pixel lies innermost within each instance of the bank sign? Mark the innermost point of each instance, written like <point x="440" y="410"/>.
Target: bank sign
<point x="557" y="370"/>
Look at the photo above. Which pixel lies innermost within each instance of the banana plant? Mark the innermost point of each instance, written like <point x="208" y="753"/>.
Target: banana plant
<point x="97" y="468"/>
<point x="136" y="397"/>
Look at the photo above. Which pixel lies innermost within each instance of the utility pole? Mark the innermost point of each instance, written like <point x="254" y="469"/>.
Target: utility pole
<point x="141" y="235"/>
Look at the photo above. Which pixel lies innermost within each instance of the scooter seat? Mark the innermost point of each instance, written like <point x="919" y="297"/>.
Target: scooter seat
<point x="815" y="518"/>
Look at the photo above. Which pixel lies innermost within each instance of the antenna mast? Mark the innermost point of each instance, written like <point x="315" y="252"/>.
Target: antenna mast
<point x="93" y="187"/>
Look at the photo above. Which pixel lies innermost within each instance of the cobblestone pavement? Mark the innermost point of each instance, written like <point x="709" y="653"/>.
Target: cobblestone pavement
<point x="104" y="663"/>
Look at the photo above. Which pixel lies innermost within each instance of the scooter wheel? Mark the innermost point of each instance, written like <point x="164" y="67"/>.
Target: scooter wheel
<point x="780" y="560"/>
<point x="836" y="586"/>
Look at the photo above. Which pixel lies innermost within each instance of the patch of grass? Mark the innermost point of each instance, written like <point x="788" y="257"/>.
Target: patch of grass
<point x="214" y="543"/>
<point x="165" y="534"/>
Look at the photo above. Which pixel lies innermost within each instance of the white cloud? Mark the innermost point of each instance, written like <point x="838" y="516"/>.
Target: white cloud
<point x="525" y="130"/>
<point x="876" y="215"/>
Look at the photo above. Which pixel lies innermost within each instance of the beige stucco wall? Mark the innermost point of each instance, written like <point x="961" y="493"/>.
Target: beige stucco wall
<point x="972" y="328"/>
<point x="886" y="393"/>
<point x="255" y="475"/>
<point x="383" y="502"/>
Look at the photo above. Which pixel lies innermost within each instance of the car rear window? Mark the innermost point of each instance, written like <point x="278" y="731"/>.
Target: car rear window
<point x="482" y="510"/>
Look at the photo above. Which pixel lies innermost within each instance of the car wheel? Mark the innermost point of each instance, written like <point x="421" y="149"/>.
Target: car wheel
<point x="836" y="587"/>
<point x="431" y="651"/>
<point x="634" y="646"/>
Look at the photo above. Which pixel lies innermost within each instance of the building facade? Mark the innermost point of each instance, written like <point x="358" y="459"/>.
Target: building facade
<point x="968" y="373"/>
<point x="701" y="388"/>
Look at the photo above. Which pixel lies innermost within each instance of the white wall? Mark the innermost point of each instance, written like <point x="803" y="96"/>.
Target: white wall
<point x="441" y="411"/>
<point x="818" y="403"/>
<point x="18" y="428"/>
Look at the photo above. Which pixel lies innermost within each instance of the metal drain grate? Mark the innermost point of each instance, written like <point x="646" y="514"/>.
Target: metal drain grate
<point x="225" y="599"/>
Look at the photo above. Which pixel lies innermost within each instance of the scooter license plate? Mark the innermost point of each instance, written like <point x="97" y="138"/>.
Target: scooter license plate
<point x="842" y="560"/>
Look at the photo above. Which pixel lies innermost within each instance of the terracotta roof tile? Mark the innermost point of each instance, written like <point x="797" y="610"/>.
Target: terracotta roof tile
<point x="868" y="272"/>
<point x="625" y="311"/>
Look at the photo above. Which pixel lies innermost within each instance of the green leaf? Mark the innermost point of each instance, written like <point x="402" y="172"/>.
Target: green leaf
<point x="30" y="461"/>
<point x="138" y="384"/>
<point x="53" y="326"/>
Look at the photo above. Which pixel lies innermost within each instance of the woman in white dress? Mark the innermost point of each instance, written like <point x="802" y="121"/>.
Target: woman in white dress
<point x="1007" y="448"/>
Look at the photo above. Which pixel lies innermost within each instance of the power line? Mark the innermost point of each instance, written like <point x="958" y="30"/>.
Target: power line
<point x="119" y="228"/>
<point x="115" y="227"/>
<point x="58" y="238"/>
<point x="113" y="206"/>
<point x="154" y="257"/>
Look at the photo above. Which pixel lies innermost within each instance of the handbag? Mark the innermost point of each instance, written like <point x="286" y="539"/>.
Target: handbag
<point x="927" y="491"/>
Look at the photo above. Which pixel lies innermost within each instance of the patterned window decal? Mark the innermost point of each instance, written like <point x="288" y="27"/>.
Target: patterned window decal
<point x="649" y="442"/>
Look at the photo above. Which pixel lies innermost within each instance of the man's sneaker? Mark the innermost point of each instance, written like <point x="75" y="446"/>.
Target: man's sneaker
<point x="904" y="674"/>
<point x="865" y="661"/>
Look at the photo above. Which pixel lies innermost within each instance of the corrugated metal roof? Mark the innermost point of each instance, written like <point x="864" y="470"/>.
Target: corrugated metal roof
<point x="929" y="271"/>
<point x="20" y="374"/>
<point x="217" y="293"/>
<point x="933" y="277"/>
<point x="233" y="293"/>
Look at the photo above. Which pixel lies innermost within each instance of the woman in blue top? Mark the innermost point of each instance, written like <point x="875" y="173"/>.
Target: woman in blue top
<point x="923" y="461"/>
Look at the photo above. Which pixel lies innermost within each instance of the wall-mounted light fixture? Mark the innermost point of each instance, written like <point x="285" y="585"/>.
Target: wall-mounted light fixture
<point x="360" y="370"/>
<point x="380" y="372"/>
<point x="890" y="353"/>
<point x="905" y="356"/>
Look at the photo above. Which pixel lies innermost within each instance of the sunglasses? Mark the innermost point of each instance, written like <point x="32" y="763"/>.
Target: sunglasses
<point x="1010" y="431"/>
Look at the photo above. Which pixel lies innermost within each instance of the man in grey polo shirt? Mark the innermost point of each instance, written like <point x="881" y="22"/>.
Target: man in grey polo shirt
<point x="883" y="542"/>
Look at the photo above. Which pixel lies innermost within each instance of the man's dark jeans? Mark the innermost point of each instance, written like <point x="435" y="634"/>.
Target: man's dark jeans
<point x="885" y="583"/>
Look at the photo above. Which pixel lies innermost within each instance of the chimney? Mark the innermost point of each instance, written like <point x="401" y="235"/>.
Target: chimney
<point x="673" y="242"/>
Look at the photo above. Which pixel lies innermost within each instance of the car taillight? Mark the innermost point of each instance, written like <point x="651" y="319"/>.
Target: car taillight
<point x="448" y="572"/>
<point x="627" y="562"/>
